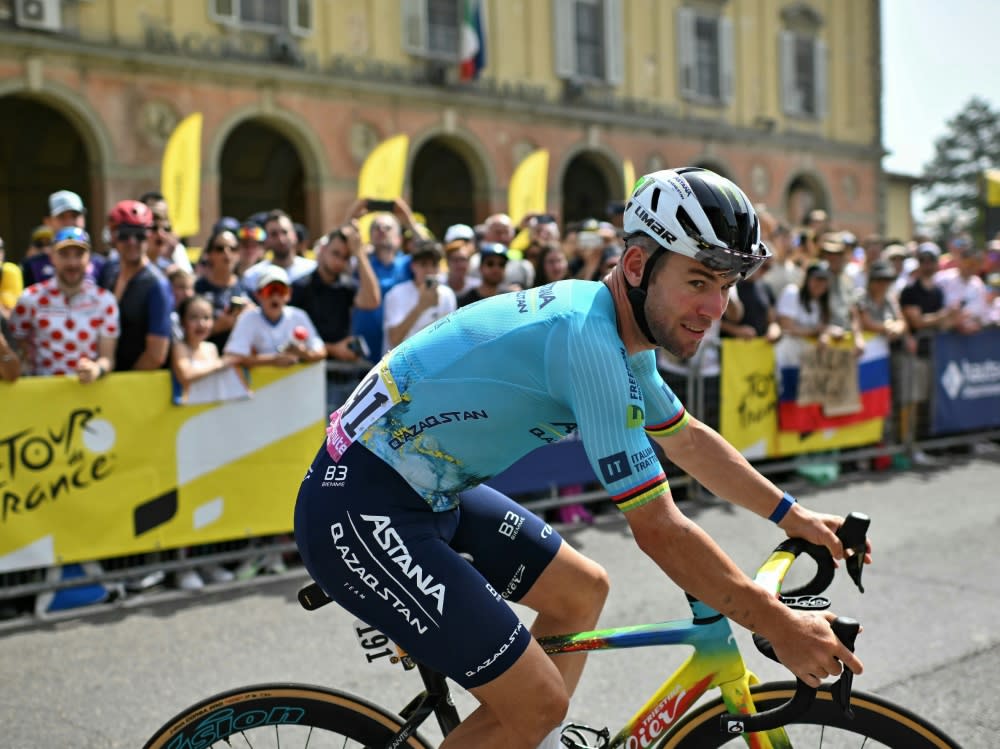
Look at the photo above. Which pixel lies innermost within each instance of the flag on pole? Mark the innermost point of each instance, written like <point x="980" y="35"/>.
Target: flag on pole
<point x="180" y="176"/>
<point x="472" y="47"/>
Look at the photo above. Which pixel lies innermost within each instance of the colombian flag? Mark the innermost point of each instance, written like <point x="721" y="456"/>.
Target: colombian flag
<point x="473" y="41"/>
<point x="873" y="384"/>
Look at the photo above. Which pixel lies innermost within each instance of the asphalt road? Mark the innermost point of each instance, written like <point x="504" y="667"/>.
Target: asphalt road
<point x="931" y="640"/>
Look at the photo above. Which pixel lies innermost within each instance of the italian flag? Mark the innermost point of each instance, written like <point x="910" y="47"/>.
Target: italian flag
<point x="473" y="42"/>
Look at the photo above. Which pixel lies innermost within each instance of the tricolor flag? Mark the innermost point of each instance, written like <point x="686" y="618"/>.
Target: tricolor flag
<point x="472" y="46"/>
<point x="875" y="400"/>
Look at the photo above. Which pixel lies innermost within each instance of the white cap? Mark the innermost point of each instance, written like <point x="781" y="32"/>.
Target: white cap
<point x="272" y="274"/>
<point x="458" y="231"/>
<point x="64" y="200"/>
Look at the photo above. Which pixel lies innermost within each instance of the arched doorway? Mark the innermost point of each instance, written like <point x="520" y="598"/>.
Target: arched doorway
<point x="260" y="169"/>
<point x="586" y="189"/>
<point x="40" y="152"/>
<point x="442" y="187"/>
<point x="803" y="195"/>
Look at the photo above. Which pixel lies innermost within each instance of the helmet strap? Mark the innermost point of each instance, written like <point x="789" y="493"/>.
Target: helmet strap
<point x="637" y="295"/>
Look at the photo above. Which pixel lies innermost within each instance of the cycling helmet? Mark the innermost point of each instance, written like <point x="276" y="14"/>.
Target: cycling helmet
<point x="696" y="213"/>
<point x="131" y="213"/>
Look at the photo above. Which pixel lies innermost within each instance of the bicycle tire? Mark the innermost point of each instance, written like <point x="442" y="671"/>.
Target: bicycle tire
<point x="279" y="715"/>
<point x="874" y="719"/>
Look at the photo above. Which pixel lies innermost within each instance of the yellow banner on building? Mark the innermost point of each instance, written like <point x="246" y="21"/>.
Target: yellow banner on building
<point x="628" y="177"/>
<point x="180" y="176"/>
<point x="382" y="175"/>
<point x="528" y="186"/>
<point x="748" y="405"/>
<point x="114" y="468"/>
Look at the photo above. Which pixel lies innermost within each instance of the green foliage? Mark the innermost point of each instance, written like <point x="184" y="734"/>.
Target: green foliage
<point x="953" y="178"/>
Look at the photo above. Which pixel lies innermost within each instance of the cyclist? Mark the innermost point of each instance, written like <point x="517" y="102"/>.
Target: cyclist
<point x="393" y="508"/>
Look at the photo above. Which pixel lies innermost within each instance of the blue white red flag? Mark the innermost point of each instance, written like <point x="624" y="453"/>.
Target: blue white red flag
<point x="473" y="41"/>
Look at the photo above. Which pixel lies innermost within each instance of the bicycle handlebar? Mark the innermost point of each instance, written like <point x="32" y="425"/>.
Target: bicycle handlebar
<point x="853" y="535"/>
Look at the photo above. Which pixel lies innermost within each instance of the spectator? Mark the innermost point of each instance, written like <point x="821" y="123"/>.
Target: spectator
<point x="459" y="246"/>
<point x="329" y="295"/>
<point x="964" y="289"/>
<point x="804" y="311"/>
<point x="754" y="315"/>
<point x="11" y="283"/>
<point x="413" y="305"/>
<point x="390" y="264"/>
<point x="301" y="239"/>
<point x="896" y="255"/>
<point x="41" y="242"/>
<point x="553" y="264"/>
<point x="144" y="297"/>
<point x="165" y="248"/>
<point x="193" y="357"/>
<point x="181" y="288"/>
<point x="923" y="307"/>
<point x="65" y="210"/>
<point x="274" y="333"/>
<point x="871" y="250"/>
<point x="879" y="310"/>
<point x="843" y="293"/>
<point x="67" y="325"/>
<point x="251" y="249"/>
<point x="282" y="242"/>
<point x="220" y="285"/>
<point x="10" y="362"/>
<point x="492" y="264"/>
<point x="499" y="229"/>
<point x="612" y="254"/>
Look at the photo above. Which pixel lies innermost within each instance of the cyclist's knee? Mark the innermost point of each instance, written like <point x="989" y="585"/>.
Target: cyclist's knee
<point x="589" y="591"/>
<point x="548" y="710"/>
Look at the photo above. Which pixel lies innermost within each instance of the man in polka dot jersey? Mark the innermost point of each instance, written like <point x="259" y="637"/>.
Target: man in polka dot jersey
<point x="67" y="325"/>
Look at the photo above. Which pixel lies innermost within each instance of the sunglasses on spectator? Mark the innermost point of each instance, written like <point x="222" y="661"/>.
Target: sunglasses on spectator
<point x="222" y="248"/>
<point x="138" y="233"/>
<point x="272" y="289"/>
<point x="163" y="227"/>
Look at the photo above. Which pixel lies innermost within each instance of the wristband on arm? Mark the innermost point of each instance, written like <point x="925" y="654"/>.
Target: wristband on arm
<point x="787" y="500"/>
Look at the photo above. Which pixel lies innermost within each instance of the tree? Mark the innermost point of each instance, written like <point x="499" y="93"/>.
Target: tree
<point x="953" y="178"/>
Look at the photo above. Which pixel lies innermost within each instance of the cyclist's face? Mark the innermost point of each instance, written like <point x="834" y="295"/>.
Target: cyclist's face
<point x="684" y="299"/>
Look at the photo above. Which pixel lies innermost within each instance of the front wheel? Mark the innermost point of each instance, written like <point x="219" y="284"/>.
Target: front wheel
<point x="268" y="716"/>
<point x="876" y="723"/>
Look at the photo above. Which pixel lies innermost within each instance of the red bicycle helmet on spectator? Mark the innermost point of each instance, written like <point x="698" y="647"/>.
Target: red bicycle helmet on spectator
<point x="131" y="213"/>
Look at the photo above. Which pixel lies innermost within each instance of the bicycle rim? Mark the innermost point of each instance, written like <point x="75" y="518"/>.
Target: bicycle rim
<point x="285" y="716"/>
<point x="877" y="724"/>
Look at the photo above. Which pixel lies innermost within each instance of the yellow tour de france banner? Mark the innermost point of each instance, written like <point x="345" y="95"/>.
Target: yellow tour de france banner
<point x="628" y="177"/>
<point x="749" y="408"/>
<point x="114" y="468"/>
<point x="526" y="192"/>
<point x="180" y="176"/>
<point x="382" y="174"/>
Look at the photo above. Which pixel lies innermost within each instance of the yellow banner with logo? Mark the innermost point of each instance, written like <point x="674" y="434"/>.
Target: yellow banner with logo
<point x="114" y="468"/>
<point x="748" y="404"/>
<point x="180" y="176"/>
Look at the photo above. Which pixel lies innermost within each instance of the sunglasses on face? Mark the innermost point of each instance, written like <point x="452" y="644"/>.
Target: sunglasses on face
<point x="273" y="290"/>
<point x="222" y="248"/>
<point x="132" y="232"/>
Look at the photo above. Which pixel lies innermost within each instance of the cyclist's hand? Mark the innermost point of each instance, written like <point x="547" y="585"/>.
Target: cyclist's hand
<point x="809" y="649"/>
<point x="818" y="528"/>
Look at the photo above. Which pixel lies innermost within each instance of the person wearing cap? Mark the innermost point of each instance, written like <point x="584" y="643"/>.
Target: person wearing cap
<point x="40" y="242"/>
<point x="145" y="299"/>
<point x="412" y="305"/>
<point x="165" y="248"/>
<point x="459" y="246"/>
<point x="492" y="267"/>
<point x="67" y="324"/>
<point x="274" y="333"/>
<point x="282" y="242"/>
<point x="65" y="209"/>
<point x="964" y="289"/>
<point x="499" y="229"/>
<point x="843" y="292"/>
<point x="11" y="282"/>
<point x="251" y="251"/>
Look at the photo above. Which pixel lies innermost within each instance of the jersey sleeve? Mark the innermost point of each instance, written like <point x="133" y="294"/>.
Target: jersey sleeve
<point x="664" y="413"/>
<point x="607" y="401"/>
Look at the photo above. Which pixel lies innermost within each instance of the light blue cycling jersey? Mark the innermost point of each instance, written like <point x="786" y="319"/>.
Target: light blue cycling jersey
<point x="465" y="398"/>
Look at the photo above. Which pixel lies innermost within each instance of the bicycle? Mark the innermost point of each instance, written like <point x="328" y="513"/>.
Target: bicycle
<point x="776" y="715"/>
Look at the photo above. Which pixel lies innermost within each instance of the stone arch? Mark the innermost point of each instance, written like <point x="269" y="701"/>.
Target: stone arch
<point x="601" y="169"/>
<point x="803" y="191"/>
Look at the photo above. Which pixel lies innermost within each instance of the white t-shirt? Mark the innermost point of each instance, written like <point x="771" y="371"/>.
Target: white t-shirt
<point x="300" y="267"/>
<point x="790" y="305"/>
<point x="967" y="293"/>
<point x="403" y="297"/>
<point x="254" y="333"/>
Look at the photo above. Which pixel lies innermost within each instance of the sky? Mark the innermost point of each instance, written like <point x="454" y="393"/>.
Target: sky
<point x="935" y="57"/>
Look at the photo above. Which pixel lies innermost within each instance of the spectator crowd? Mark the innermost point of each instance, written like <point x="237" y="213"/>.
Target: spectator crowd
<point x="260" y="293"/>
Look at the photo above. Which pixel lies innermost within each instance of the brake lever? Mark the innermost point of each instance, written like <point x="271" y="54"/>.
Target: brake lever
<point x="846" y="630"/>
<point x="853" y="535"/>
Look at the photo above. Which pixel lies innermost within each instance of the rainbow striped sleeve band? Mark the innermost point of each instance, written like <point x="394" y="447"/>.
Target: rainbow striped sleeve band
<point x="641" y="494"/>
<point x="670" y="426"/>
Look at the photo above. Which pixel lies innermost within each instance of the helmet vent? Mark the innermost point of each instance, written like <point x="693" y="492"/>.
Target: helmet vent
<point x="654" y="201"/>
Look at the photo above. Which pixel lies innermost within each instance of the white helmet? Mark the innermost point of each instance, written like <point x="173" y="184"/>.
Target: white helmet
<point x="700" y="214"/>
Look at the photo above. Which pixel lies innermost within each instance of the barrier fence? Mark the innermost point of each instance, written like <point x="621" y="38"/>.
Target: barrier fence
<point x="116" y="469"/>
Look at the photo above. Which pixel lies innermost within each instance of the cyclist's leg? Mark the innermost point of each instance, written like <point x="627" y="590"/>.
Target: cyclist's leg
<point x="527" y="561"/>
<point x="375" y="547"/>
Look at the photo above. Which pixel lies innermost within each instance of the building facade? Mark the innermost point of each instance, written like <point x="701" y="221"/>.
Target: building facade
<point x="782" y="96"/>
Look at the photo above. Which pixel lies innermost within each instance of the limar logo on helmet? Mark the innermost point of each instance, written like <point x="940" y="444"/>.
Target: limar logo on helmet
<point x="655" y="226"/>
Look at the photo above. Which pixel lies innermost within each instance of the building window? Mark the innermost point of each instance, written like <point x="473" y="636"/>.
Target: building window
<point x="295" y="16"/>
<point x="705" y="47"/>
<point x="588" y="40"/>
<point x="803" y="72"/>
<point x="432" y="28"/>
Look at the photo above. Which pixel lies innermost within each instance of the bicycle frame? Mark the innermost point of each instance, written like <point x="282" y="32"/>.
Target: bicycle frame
<point x="715" y="663"/>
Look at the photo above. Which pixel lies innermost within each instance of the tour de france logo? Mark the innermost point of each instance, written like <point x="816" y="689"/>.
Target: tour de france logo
<point x="41" y="465"/>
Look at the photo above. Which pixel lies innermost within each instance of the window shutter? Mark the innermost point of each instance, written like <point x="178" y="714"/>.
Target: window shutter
<point x="727" y="53"/>
<point x="415" y="26"/>
<point x="686" y="50"/>
<point x="614" y="43"/>
<point x="300" y="17"/>
<point x="224" y="11"/>
<point x="786" y="59"/>
<point x="821" y="84"/>
<point x="564" y="32"/>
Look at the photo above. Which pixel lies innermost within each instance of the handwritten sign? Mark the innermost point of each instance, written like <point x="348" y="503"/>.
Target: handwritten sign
<point x="829" y="377"/>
